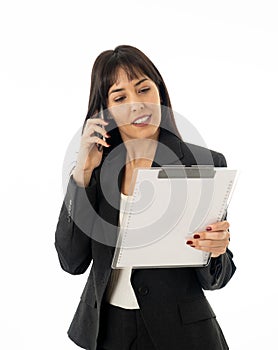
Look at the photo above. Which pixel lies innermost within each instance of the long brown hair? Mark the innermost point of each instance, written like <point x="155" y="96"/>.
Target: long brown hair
<point x="104" y="75"/>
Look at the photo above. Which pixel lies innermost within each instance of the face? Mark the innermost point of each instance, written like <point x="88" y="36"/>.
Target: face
<point x="135" y="107"/>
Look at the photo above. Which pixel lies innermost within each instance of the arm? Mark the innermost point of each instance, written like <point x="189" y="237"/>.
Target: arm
<point x="78" y="212"/>
<point x="72" y="244"/>
<point x="220" y="269"/>
<point x="218" y="272"/>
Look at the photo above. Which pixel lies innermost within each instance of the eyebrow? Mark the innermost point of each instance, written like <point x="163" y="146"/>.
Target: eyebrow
<point x="122" y="89"/>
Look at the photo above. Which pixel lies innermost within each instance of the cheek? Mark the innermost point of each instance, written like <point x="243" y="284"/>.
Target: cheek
<point x="154" y="98"/>
<point x="119" y="114"/>
<point x="156" y="111"/>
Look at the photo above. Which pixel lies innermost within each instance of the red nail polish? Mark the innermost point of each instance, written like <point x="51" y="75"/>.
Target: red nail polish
<point x="192" y="246"/>
<point x="196" y="236"/>
<point x="189" y="242"/>
<point x="208" y="228"/>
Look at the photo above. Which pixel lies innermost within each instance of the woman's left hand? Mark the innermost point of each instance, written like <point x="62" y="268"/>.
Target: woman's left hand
<point x="214" y="240"/>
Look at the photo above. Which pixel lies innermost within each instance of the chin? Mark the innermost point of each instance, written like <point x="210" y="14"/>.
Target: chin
<point x="148" y="133"/>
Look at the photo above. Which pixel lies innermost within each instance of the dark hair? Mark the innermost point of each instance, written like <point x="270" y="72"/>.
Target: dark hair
<point x="104" y="75"/>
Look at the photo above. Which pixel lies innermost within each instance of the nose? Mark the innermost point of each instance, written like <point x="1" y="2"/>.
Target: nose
<point x="136" y="106"/>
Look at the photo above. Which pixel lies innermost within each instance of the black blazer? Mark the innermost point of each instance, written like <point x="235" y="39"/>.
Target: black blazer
<point x="172" y="302"/>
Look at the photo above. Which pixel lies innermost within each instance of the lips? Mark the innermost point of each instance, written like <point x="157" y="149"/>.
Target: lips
<point x="142" y="120"/>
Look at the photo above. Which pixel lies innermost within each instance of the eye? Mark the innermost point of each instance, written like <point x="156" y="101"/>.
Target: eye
<point x="119" y="99"/>
<point x="144" y="90"/>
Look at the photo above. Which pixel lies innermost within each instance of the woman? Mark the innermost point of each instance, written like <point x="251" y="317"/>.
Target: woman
<point x="144" y="309"/>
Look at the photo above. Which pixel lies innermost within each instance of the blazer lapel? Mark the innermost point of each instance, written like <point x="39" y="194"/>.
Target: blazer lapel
<point x="169" y="151"/>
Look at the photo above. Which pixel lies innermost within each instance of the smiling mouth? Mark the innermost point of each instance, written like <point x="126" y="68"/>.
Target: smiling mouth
<point x="141" y="121"/>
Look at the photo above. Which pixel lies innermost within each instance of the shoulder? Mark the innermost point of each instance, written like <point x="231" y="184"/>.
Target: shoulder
<point x="191" y="154"/>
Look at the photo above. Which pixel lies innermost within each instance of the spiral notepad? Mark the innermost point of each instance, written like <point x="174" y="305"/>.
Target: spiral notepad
<point x="167" y="206"/>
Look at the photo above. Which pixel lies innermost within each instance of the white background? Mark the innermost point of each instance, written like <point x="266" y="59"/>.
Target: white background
<point x="219" y="61"/>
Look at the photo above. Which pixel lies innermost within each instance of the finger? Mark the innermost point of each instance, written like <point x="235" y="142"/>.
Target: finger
<point x="218" y="226"/>
<point x="214" y="251"/>
<point x="212" y="235"/>
<point x="99" y="141"/>
<point x="97" y="121"/>
<point x="95" y="128"/>
<point x="211" y="243"/>
<point x="100" y="130"/>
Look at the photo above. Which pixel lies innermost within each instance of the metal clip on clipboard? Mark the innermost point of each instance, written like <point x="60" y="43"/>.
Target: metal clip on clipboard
<point x="194" y="172"/>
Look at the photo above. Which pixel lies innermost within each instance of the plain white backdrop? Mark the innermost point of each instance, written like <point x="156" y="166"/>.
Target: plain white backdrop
<point x="219" y="61"/>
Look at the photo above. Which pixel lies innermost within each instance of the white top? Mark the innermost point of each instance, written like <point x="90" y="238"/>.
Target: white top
<point x="119" y="290"/>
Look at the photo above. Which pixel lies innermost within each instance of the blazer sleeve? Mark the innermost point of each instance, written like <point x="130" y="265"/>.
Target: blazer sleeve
<point x="221" y="269"/>
<point x="72" y="241"/>
<point x="218" y="273"/>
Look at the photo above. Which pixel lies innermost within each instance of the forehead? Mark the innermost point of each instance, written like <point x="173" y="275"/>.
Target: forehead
<point x="122" y="77"/>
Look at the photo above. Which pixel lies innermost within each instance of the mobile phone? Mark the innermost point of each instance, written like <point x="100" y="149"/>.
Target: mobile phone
<point x="100" y="147"/>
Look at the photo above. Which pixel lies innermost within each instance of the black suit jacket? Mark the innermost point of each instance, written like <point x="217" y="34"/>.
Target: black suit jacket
<point x="172" y="302"/>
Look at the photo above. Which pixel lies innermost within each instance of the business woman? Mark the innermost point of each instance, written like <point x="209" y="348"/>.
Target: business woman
<point x="143" y="309"/>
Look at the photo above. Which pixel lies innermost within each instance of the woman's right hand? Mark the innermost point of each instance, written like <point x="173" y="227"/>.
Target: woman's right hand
<point x="89" y="157"/>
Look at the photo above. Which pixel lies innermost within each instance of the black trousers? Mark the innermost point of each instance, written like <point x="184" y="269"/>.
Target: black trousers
<point x="122" y="329"/>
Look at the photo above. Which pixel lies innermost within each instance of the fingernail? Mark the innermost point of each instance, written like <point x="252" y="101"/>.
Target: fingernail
<point x="189" y="242"/>
<point x="192" y="246"/>
<point x="196" y="236"/>
<point x="107" y="135"/>
<point x="208" y="228"/>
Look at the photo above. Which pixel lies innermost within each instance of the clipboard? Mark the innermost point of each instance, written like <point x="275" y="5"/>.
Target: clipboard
<point x="167" y="206"/>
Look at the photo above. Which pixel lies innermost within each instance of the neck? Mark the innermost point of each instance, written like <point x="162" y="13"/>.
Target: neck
<point x="141" y="151"/>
